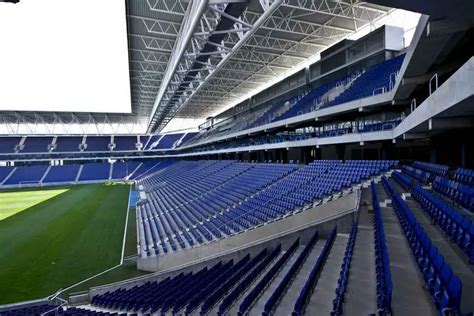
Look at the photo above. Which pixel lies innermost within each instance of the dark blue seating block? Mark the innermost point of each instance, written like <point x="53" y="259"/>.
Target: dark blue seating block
<point x="35" y="144"/>
<point x="95" y="171"/>
<point x="312" y="280"/>
<point x="98" y="143"/>
<point x="7" y="144"/>
<point x="65" y="173"/>
<point x="68" y="144"/>
<point x="125" y="143"/>
<point x="4" y="172"/>
<point x="27" y="174"/>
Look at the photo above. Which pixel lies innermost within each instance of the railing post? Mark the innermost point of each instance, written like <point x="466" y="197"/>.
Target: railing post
<point x="435" y="77"/>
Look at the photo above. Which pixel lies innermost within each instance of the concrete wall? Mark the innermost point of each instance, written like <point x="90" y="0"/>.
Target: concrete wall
<point x="343" y="222"/>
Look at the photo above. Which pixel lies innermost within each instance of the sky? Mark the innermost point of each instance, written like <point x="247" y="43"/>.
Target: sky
<point x="64" y="55"/>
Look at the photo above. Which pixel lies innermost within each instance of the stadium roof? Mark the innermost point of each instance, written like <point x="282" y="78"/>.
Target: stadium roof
<point x="193" y="59"/>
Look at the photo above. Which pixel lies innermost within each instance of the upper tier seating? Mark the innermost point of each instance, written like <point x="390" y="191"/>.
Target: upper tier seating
<point x="68" y="144"/>
<point x="65" y="173"/>
<point x="312" y="100"/>
<point x="8" y="144"/>
<point x="167" y="141"/>
<point x="186" y="137"/>
<point x="26" y="174"/>
<point x="377" y="79"/>
<point x="97" y="143"/>
<point x="95" y="171"/>
<point x="36" y="144"/>
<point x="125" y="143"/>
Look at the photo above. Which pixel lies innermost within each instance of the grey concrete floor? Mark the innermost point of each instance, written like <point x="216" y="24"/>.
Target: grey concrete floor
<point x="361" y="291"/>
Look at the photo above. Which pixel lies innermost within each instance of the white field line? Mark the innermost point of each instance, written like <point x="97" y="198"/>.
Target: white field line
<point x="126" y="224"/>
<point x="85" y="280"/>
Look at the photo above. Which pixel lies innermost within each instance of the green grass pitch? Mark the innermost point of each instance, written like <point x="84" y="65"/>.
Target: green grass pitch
<point x="59" y="237"/>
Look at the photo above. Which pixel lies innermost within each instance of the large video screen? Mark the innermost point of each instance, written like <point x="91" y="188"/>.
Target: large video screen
<point x="64" y="55"/>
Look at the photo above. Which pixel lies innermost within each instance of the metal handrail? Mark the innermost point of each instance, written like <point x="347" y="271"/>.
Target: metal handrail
<point x="413" y="105"/>
<point x="375" y="90"/>
<point x="435" y="77"/>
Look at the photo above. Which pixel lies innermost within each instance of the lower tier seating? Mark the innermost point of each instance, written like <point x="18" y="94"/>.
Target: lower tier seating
<point x="190" y="203"/>
<point x="307" y="273"/>
<point x="445" y="287"/>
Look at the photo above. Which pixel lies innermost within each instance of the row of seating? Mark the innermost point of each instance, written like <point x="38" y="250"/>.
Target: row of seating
<point x="285" y="283"/>
<point x="459" y="193"/>
<point x="50" y="309"/>
<point x="465" y="176"/>
<point x="338" y="302"/>
<point x="458" y="227"/>
<point x="440" y="170"/>
<point x="311" y="281"/>
<point x="91" y="143"/>
<point x="202" y="202"/>
<point x="69" y="173"/>
<point x="197" y="213"/>
<point x="420" y="175"/>
<point x="330" y="130"/>
<point x="232" y="296"/>
<point x="382" y="260"/>
<point x="445" y="287"/>
<point x="267" y="278"/>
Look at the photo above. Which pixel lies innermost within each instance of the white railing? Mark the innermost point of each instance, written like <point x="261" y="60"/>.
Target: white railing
<point x="435" y="78"/>
<point x="23" y="184"/>
<point x="382" y="89"/>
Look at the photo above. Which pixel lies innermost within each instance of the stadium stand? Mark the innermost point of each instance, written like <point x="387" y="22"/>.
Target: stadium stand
<point x="65" y="173"/>
<point x="97" y="143"/>
<point x="5" y="172"/>
<point x="234" y="197"/>
<point x="36" y="144"/>
<point x="121" y="170"/>
<point x="166" y="142"/>
<point x="336" y="185"/>
<point x="95" y="171"/>
<point x="8" y="144"/>
<point x="26" y="175"/>
<point x="125" y="143"/>
<point x="68" y="144"/>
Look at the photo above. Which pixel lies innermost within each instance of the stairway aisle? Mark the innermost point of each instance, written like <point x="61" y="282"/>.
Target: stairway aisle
<point x="452" y="255"/>
<point x="409" y="297"/>
<point x="320" y="302"/>
<point x="235" y="308"/>
<point x="287" y="303"/>
<point x="259" y="305"/>
<point x="361" y="292"/>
